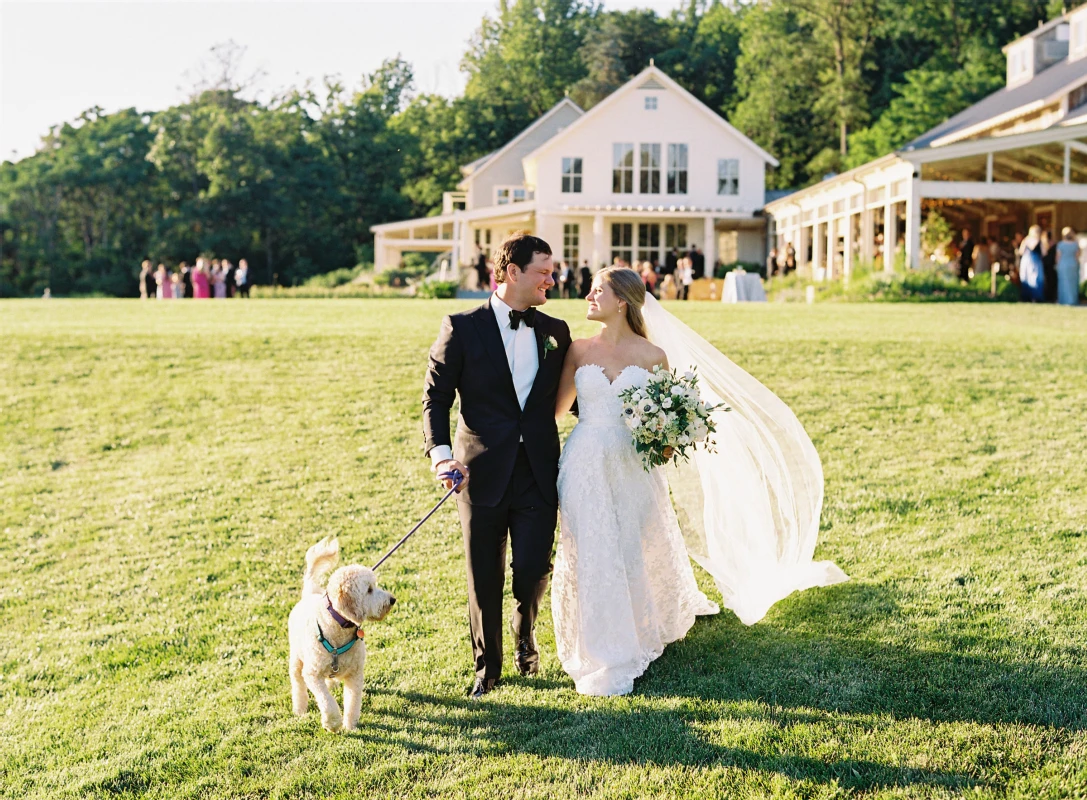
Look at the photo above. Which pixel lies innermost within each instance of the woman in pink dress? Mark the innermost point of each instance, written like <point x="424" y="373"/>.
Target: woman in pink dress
<point x="200" y="281"/>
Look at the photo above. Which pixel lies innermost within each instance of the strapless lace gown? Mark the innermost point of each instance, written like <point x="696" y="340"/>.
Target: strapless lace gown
<point x="623" y="586"/>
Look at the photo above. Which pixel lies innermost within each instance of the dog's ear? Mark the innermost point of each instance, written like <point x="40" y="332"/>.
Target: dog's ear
<point x="346" y="593"/>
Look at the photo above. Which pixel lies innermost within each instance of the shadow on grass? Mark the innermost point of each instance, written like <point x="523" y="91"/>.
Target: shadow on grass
<point x="651" y="737"/>
<point x="822" y="655"/>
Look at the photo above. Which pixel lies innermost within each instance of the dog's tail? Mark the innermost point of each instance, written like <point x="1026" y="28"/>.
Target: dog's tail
<point x="321" y="559"/>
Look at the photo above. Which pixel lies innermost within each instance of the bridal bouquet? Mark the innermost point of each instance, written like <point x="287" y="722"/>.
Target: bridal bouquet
<point x="667" y="417"/>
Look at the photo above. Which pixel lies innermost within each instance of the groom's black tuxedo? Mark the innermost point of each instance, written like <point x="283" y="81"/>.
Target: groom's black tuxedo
<point x="513" y="457"/>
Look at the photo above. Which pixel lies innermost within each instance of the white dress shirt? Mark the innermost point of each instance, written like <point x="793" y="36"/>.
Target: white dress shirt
<point x="521" y="355"/>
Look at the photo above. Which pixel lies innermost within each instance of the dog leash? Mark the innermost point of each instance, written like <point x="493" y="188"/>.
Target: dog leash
<point x="457" y="479"/>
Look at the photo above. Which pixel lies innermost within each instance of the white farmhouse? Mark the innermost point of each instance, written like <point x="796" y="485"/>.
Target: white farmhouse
<point x="648" y="169"/>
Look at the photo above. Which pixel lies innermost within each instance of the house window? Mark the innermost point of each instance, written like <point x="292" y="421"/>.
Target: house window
<point x="1079" y="35"/>
<point x="571" y="234"/>
<point x="622" y="237"/>
<point x="483" y="240"/>
<point x="504" y="195"/>
<point x="649" y="174"/>
<point x="675" y="236"/>
<point x="649" y="241"/>
<point x="1077" y="97"/>
<point x="650" y="104"/>
<point x="571" y="175"/>
<point x="677" y="169"/>
<point x="728" y="176"/>
<point x="622" y="170"/>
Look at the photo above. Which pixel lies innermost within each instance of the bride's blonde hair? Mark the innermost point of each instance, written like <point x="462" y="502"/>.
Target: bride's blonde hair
<point x="628" y="287"/>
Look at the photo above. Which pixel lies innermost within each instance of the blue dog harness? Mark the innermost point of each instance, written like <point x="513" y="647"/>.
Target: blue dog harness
<point x="343" y="622"/>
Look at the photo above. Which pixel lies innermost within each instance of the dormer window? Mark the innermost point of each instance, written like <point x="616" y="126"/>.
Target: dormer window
<point x="651" y="103"/>
<point x="504" y="195"/>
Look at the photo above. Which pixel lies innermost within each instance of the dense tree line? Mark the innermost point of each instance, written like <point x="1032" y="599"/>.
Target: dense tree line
<point x="294" y="184"/>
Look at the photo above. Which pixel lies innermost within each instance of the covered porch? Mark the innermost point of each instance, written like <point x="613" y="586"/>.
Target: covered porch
<point x="996" y="187"/>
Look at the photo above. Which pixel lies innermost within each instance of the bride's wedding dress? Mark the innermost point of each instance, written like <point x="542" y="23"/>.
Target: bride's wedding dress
<point x="623" y="586"/>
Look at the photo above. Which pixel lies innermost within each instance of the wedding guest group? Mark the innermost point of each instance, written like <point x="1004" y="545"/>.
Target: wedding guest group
<point x="208" y="278"/>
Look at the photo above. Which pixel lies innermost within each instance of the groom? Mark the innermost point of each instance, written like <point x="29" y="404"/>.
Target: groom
<point x="504" y="359"/>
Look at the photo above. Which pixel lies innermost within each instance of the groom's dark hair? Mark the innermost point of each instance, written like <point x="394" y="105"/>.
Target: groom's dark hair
<point x="520" y="248"/>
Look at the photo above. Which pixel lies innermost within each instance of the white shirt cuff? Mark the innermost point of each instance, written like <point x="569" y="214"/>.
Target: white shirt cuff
<point x="438" y="454"/>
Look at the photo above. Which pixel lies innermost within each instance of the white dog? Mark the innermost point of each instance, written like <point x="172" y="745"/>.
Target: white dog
<point x="326" y="634"/>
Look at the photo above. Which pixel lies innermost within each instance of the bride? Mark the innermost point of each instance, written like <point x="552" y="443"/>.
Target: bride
<point x="623" y="586"/>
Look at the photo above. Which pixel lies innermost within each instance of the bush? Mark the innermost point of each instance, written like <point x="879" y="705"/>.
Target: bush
<point x="337" y="277"/>
<point x="437" y="290"/>
<point x="868" y="285"/>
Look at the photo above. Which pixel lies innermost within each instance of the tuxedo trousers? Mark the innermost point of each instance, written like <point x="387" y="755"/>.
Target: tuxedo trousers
<point x="527" y="521"/>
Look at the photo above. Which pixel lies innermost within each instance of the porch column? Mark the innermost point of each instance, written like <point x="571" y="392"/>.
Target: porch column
<point x="454" y="258"/>
<point x="817" y="244"/>
<point x="709" y="250"/>
<point x="801" y="246"/>
<point x="379" y="252"/>
<point x="832" y="245"/>
<point x="847" y="251"/>
<point x="913" y="225"/>
<point x="598" y="242"/>
<point x="890" y="233"/>
<point x="868" y="234"/>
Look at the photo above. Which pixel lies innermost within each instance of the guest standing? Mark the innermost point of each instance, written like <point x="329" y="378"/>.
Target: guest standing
<point x="200" y="281"/>
<point x="1068" y="269"/>
<point x="218" y="280"/>
<point x="147" y="280"/>
<point x="966" y="255"/>
<point x="585" y="282"/>
<point x="671" y="261"/>
<point x="243" y="278"/>
<point x="231" y="278"/>
<point x="162" y="281"/>
<point x="1031" y="271"/>
<point x="790" y="258"/>
<point x="684" y="277"/>
<point x="772" y="263"/>
<point x="698" y="263"/>
<point x="982" y="262"/>
<point x="1049" y="267"/>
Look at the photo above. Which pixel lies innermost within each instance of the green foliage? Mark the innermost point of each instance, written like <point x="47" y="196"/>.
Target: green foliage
<point x="337" y="277"/>
<point x="165" y="467"/>
<point x="936" y="236"/>
<point x="747" y="266"/>
<point x="294" y="184"/>
<point x="437" y="290"/>
<point x="903" y="286"/>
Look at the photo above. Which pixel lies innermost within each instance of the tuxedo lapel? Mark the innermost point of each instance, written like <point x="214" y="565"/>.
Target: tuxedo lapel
<point x="487" y="326"/>
<point x="540" y="332"/>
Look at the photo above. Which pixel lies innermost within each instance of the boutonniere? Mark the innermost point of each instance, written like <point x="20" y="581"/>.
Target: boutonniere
<point x="549" y="345"/>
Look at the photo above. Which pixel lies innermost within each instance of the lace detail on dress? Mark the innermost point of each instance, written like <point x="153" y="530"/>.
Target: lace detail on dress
<point x="623" y="585"/>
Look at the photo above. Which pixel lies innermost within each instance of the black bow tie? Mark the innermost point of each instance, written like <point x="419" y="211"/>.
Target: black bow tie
<point x="528" y="316"/>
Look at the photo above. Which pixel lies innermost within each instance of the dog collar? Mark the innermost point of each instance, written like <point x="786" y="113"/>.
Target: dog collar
<point x="339" y="618"/>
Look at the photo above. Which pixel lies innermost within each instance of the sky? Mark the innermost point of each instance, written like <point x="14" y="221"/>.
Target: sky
<point x="59" y="58"/>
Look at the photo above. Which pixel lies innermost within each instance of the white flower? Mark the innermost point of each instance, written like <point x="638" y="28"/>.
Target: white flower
<point x="684" y="440"/>
<point x="678" y="390"/>
<point x="666" y="402"/>
<point x="688" y="375"/>
<point x="633" y="422"/>
<point x="647" y="407"/>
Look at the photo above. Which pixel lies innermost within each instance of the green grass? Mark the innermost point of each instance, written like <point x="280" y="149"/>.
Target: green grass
<point x="164" y="467"/>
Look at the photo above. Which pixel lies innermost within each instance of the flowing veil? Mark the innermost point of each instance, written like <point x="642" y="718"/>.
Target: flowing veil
<point x="750" y="511"/>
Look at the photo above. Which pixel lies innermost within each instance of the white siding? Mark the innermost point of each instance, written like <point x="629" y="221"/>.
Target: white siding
<point x="675" y="121"/>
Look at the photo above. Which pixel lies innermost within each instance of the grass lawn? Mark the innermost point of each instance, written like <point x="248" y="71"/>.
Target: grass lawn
<point x="164" y="467"/>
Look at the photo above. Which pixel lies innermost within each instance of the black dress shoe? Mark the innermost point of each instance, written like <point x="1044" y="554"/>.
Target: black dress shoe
<point x="481" y="687"/>
<point x="526" y="656"/>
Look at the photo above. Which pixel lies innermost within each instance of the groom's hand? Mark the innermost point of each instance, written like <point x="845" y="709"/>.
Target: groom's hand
<point x="451" y="465"/>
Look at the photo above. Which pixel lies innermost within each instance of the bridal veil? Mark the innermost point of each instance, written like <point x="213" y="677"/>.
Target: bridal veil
<point x="749" y="511"/>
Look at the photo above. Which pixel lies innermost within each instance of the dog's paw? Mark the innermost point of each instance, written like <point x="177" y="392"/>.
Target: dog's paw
<point x="332" y="724"/>
<point x="300" y="709"/>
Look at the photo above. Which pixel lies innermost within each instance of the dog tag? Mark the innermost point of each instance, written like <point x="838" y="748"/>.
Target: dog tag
<point x="335" y="664"/>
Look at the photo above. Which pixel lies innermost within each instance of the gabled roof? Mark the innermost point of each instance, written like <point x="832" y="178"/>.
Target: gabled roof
<point x="480" y="164"/>
<point x="1044" y="88"/>
<point x="654" y="78"/>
